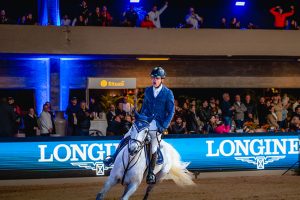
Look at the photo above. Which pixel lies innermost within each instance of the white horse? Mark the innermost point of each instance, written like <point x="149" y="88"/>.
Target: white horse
<point x="131" y="164"/>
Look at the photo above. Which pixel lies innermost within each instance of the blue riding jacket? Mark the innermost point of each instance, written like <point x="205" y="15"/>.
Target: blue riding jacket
<point x="162" y="107"/>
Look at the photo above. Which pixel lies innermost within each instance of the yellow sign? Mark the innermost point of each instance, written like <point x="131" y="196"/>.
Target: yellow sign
<point x="105" y="83"/>
<point x="111" y="83"/>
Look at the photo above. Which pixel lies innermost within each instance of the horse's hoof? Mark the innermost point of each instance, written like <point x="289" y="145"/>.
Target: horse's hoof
<point x="99" y="197"/>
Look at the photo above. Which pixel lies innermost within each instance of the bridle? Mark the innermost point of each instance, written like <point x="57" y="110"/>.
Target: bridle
<point x="142" y="143"/>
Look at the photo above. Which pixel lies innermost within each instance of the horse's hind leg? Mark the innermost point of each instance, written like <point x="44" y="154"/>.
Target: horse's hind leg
<point x="108" y="184"/>
<point x="130" y="189"/>
<point x="149" y="188"/>
<point x="159" y="176"/>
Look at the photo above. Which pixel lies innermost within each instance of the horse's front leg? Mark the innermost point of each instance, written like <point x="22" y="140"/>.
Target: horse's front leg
<point x="129" y="190"/>
<point x="108" y="184"/>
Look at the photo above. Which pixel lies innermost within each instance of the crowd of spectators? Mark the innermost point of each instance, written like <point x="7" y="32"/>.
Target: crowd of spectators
<point x="274" y="113"/>
<point x="100" y="16"/>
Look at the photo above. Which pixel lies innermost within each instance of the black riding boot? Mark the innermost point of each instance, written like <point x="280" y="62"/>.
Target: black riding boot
<point x="108" y="161"/>
<point x="151" y="178"/>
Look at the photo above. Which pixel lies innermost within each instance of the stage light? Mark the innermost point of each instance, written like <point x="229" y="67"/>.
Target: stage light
<point x="240" y="3"/>
<point x="134" y="1"/>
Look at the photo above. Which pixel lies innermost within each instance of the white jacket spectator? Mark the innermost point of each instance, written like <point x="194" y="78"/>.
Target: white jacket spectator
<point x="154" y="15"/>
<point x="45" y="121"/>
<point x="193" y="19"/>
<point x="65" y="21"/>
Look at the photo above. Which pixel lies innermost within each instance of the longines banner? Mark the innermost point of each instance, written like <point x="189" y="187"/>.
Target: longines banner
<point x="111" y="83"/>
<point x="203" y="153"/>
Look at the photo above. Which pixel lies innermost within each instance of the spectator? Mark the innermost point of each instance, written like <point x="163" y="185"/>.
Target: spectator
<point x="262" y="111"/>
<point x="227" y="110"/>
<point x="52" y="113"/>
<point x="249" y="114"/>
<point x="30" y="20"/>
<point x="210" y="126"/>
<point x="192" y="121"/>
<point x="22" y="20"/>
<point x="193" y="19"/>
<point x="295" y="124"/>
<point x="94" y="106"/>
<point x="18" y="112"/>
<point x="154" y="15"/>
<point x="294" y="25"/>
<point x="3" y="17"/>
<point x="297" y="103"/>
<point x="30" y="123"/>
<point x="127" y="107"/>
<point x="179" y="126"/>
<point x="126" y="124"/>
<point x="7" y="119"/>
<point x="234" y="24"/>
<point x="278" y="109"/>
<point x="114" y="127"/>
<point x="111" y="113"/>
<point x="71" y="111"/>
<point x="239" y="112"/>
<point x="120" y="110"/>
<point x="45" y="121"/>
<point x="105" y="17"/>
<point x="79" y="21"/>
<point x="251" y="26"/>
<point x="96" y="18"/>
<point x="272" y="118"/>
<point x="147" y="23"/>
<point x="178" y="110"/>
<point x="280" y="17"/>
<point x="84" y="10"/>
<point x="84" y="119"/>
<point x="221" y="127"/>
<point x="297" y="110"/>
<point x="214" y="107"/>
<point x="223" y="23"/>
<point x="65" y="21"/>
<point x="131" y="17"/>
<point x="205" y="112"/>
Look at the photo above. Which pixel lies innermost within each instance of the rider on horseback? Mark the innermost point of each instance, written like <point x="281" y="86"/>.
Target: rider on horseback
<point x="158" y="103"/>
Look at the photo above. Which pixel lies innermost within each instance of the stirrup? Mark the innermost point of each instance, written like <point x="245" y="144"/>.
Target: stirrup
<point x="151" y="178"/>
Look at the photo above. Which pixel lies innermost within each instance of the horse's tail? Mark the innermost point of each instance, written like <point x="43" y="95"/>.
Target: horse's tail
<point x="178" y="172"/>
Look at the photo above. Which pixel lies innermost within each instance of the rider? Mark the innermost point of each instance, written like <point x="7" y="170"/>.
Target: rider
<point x="158" y="102"/>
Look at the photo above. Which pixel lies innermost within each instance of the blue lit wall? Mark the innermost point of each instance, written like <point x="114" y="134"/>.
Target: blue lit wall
<point x="41" y="80"/>
<point x="65" y="66"/>
<point x="48" y="12"/>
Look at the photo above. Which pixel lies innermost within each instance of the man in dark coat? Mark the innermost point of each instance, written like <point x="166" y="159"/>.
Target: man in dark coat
<point x="7" y="119"/>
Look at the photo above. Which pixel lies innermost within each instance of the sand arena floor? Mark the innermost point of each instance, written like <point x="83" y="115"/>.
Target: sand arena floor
<point x="260" y="187"/>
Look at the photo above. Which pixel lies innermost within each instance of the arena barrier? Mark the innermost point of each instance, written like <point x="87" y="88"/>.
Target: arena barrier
<point x="43" y="157"/>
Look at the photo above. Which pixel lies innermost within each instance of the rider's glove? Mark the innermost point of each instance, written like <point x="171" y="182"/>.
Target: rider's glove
<point x="162" y="130"/>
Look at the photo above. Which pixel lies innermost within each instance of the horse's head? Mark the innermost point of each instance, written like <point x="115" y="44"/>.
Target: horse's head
<point x="139" y="134"/>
